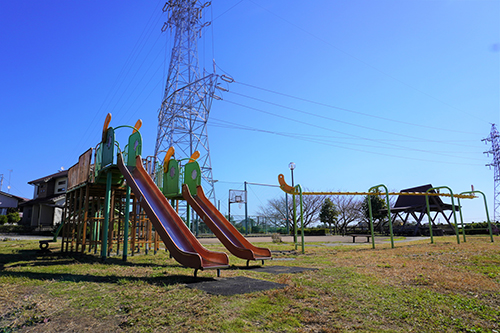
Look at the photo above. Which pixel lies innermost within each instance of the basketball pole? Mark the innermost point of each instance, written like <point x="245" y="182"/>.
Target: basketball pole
<point x="246" y="209"/>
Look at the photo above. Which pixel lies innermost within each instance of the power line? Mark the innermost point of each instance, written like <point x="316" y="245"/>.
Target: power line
<point x="127" y="65"/>
<point x="361" y="150"/>
<point x="353" y="111"/>
<point x="339" y="121"/>
<point x="332" y="130"/>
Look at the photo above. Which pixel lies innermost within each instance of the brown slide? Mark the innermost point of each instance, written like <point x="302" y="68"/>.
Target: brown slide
<point x="230" y="237"/>
<point x="178" y="239"/>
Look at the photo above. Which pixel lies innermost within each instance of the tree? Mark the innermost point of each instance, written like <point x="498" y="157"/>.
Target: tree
<point x="328" y="214"/>
<point x="349" y="210"/>
<point x="276" y="209"/>
<point x="379" y="210"/>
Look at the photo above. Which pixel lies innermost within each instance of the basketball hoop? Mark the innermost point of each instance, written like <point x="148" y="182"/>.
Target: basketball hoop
<point x="237" y="196"/>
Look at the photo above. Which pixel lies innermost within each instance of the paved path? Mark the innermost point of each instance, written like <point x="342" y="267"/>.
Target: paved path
<point x="23" y="237"/>
<point x="326" y="240"/>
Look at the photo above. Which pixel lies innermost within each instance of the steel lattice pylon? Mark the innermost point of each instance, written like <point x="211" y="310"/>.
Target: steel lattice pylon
<point x="184" y="111"/>
<point x="494" y="138"/>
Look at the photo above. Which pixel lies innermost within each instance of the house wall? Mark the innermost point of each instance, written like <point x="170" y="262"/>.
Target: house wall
<point x="50" y="187"/>
<point x="27" y="215"/>
<point x="7" y="202"/>
<point x="47" y="215"/>
<point x="61" y="185"/>
<point x="57" y="216"/>
<point x="42" y="215"/>
<point x="34" y="215"/>
<point x="42" y="190"/>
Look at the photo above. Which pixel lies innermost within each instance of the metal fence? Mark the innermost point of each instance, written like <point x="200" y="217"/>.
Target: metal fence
<point x="254" y="225"/>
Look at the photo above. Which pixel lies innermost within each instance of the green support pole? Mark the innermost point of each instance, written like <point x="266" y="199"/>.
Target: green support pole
<point x="126" y="222"/>
<point x="188" y="216"/>
<point x="487" y="213"/>
<point x="299" y="188"/>
<point x="429" y="217"/>
<point x="287" y="217"/>
<point x="452" y="208"/>
<point x="462" y="222"/>
<point x="371" y="221"/>
<point x="107" y="202"/>
<point x="294" y="223"/>
<point x="462" y="219"/>
<point x="375" y="188"/>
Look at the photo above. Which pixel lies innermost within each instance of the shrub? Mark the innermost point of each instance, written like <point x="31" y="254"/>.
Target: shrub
<point x="13" y="217"/>
<point x="3" y="219"/>
<point x="276" y="238"/>
<point x="313" y="231"/>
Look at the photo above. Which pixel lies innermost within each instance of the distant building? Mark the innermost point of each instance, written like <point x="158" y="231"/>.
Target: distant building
<point x="46" y="207"/>
<point x="8" y="200"/>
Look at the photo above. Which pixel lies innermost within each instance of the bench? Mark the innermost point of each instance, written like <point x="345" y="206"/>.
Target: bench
<point x="360" y="235"/>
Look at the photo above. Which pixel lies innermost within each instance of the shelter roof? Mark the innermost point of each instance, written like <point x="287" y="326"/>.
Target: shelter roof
<point x="417" y="203"/>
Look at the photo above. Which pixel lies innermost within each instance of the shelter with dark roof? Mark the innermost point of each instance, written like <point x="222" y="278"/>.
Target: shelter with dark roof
<point x="415" y="206"/>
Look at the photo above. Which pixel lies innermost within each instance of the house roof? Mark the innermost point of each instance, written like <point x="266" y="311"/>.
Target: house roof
<point x="13" y="196"/>
<point x="46" y="200"/>
<point x="45" y="179"/>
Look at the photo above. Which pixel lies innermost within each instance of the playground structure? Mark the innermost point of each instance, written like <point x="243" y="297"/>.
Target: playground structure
<point x="107" y="181"/>
<point x="430" y="192"/>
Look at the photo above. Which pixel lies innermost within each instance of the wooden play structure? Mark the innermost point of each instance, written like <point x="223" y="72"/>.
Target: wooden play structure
<point x="113" y="206"/>
<point x="87" y="223"/>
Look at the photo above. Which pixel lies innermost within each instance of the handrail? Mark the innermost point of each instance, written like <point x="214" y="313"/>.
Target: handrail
<point x="372" y="190"/>
<point x="487" y="214"/>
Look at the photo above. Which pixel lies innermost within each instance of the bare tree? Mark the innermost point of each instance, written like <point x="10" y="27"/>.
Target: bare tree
<point x="277" y="210"/>
<point x="349" y="209"/>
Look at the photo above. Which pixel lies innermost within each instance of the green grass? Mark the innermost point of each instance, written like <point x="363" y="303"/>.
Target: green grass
<point x="419" y="287"/>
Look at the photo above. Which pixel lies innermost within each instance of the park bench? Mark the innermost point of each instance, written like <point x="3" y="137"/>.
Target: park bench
<point x="360" y="235"/>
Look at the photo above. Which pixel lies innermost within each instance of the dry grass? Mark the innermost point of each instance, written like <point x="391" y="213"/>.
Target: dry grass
<point x="417" y="287"/>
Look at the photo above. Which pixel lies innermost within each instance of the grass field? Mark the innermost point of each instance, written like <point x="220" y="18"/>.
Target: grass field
<point x="415" y="287"/>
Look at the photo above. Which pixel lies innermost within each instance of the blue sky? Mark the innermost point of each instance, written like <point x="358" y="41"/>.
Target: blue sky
<point x="356" y="93"/>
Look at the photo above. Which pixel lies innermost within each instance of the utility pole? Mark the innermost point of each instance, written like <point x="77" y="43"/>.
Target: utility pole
<point x="188" y="95"/>
<point x="8" y="186"/>
<point x="494" y="138"/>
<point x="1" y="182"/>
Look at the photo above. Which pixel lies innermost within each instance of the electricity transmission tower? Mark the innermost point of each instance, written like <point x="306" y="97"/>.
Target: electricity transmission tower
<point x="494" y="138"/>
<point x="184" y="111"/>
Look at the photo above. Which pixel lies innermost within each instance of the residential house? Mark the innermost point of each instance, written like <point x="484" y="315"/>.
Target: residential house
<point x="8" y="200"/>
<point x="46" y="207"/>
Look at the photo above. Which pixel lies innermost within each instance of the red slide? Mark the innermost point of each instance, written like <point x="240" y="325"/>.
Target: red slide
<point x="178" y="239"/>
<point x="230" y="237"/>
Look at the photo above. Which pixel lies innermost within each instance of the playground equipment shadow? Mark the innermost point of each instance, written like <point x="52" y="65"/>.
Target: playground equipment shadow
<point x="22" y="259"/>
